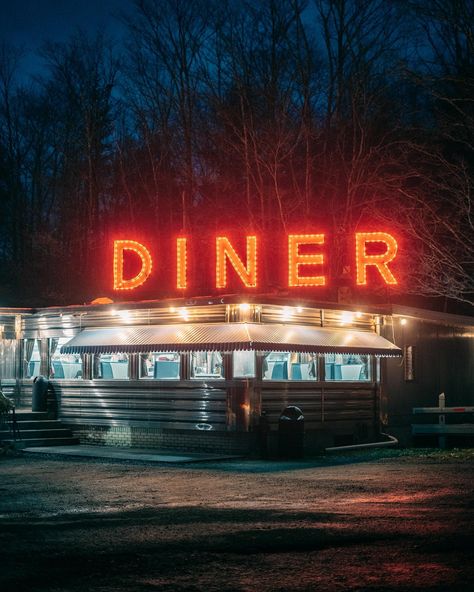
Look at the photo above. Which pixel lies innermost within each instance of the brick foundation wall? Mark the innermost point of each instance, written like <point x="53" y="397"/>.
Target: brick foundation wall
<point x="315" y="440"/>
<point x="185" y="440"/>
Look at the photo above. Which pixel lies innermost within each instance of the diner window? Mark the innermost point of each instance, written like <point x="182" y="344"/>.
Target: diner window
<point x="7" y="358"/>
<point x="243" y="364"/>
<point x="160" y="365"/>
<point x="347" y="367"/>
<point x="289" y="366"/>
<point x="32" y="358"/>
<point x="207" y="365"/>
<point x="111" y="366"/>
<point x="64" y="366"/>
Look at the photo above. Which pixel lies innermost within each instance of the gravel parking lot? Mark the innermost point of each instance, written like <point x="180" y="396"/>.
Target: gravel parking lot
<point x="392" y="520"/>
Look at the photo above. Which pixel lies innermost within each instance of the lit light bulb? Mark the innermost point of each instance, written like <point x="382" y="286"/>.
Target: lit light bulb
<point x="125" y="315"/>
<point x="346" y="318"/>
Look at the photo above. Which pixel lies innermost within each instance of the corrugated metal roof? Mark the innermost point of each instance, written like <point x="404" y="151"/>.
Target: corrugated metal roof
<point x="228" y="337"/>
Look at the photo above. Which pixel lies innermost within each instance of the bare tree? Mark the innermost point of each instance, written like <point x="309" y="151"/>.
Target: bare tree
<point x="79" y="92"/>
<point x="363" y="45"/>
<point x="167" y="42"/>
<point x="440" y="227"/>
<point x="12" y="150"/>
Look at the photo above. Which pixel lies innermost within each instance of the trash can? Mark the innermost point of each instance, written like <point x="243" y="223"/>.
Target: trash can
<point x="291" y="433"/>
<point x="39" y="398"/>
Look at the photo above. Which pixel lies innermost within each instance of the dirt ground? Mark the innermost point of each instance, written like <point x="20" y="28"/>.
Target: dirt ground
<point x="381" y="521"/>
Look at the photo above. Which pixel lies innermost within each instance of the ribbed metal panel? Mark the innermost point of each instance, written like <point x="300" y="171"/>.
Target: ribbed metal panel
<point x="65" y="321"/>
<point x="227" y="337"/>
<point x="7" y="322"/>
<point x="319" y="404"/>
<point x="8" y="389"/>
<point x="317" y="317"/>
<point x="112" y="403"/>
<point x="345" y="319"/>
<point x="275" y="397"/>
<point x="290" y="314"/>
<point x="54" y="322"/>
<point x="23" y="397"/>
<point x="349" y="404"/>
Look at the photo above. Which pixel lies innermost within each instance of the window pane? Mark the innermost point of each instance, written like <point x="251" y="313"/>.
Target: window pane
<point x="33" y="366"/>
<point x="290" y="366"/>
<point x="244" y="364"/>
<point x="160" y="365"/>
<point x="207" y="365"/>
<point x="65" y="366"/>
<point x="111" y="366"/>
<point x="347" y="367"/>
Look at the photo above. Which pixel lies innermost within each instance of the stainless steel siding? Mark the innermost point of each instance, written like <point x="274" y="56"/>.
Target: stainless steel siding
<point x="349" y="404"/>
<point x="135" y="403"/>
<point x="277" y="396"/>
<point x="320" y="403"/>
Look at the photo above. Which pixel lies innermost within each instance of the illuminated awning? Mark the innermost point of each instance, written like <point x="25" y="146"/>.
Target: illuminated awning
<point x="228" y="337"/>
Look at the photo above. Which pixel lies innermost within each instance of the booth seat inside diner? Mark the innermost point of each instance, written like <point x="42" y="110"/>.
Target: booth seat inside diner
<point x="111" y="370"/>
<point x="166" y="370"/>
<point x="349" y="372"/>
<point x="298" y="371"/>
<point x="66" y="370"/>
<point x="289" y="366"/>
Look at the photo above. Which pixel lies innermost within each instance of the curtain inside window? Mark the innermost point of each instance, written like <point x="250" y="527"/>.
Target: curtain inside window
<point x="28" y="352"/>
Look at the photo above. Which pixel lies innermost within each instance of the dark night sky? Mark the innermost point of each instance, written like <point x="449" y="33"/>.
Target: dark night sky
<point x="28" y="23"/>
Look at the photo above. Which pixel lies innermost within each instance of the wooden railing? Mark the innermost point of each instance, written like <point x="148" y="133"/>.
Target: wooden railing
<point x="442" y="429"/>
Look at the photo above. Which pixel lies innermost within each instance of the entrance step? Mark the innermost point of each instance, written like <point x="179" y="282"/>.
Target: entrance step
<point x="34" y="428"/>
<point x="24" y="415"/>
<point x="41" y="442"/>
<point x="42" y="424"/>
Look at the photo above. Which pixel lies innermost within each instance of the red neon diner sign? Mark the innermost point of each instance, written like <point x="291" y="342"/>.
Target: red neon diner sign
<point x="379" y="261"/>
<point x="305" y="260"/>
<point x="297" y="259"/>
<point x="247" y="273"/>
<point x="120" y="246"/>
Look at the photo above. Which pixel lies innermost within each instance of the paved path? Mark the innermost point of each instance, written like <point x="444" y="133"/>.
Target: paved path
<point x="135" y="454"/>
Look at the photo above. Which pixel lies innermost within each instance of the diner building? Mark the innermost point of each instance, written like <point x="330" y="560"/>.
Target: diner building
<point x="216" y="374"/>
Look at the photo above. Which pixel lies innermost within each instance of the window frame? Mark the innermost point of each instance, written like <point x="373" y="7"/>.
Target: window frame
<point x="243" y="376"/>
<point x="153" y="353"/>
<point x="204" y="377"/>
<point x="315" y="360"/>
<point x="368" y="365"/>
<point x="97" y="365"/>
<point x="52" y="359"/>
